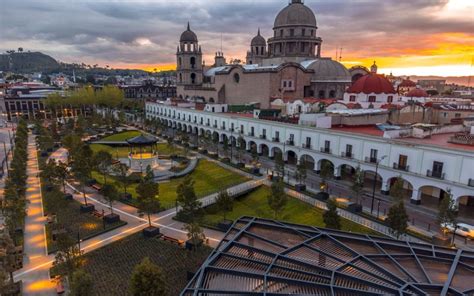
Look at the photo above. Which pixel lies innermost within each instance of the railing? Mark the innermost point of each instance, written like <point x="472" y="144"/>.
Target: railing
<point x="437" y="175"/>
<point x="223" y="127"/>
<point x="347" y="154"/>
<point x="276" y="140"/>
<point x="306" y="146"/>
<point x="397" y="166"/>
<point x="290" y="142"/>
<point x="231" y="129"/>
<point x="251" y="134"/>
<point x="370" y="159"/>
<point x="214" y="126"/>
<point x="263" y="136"/>
<point x="326" y="150"/>
<point x="470" y="183"/>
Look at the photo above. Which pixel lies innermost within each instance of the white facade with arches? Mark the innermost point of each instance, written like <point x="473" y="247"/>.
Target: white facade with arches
<point x="457" y="172"/>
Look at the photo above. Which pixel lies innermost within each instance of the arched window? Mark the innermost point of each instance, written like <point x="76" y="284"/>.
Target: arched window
<point x="236" y="77"/>
<point x="193" y="78"/>
<point x="390" y="99"/>
<point x="180" y="77"/>
<point x="179" y="61"/>
<point x="332" y="94"/>
<point x="211" y="100"/>
<point x="193" y="62"/>
<point x="322" y="94"/>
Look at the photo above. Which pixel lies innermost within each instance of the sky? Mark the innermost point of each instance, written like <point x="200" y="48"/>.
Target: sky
<point x="406" y="37"/>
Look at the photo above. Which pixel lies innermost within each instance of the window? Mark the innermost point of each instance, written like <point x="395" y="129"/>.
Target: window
<point x="193" y="62"/>
<point x="352" y="98"/>
<point x="445" y="114"/>
<point x="303" y="47"/>
<point x="284" y="84"/>
<point x="327" y="145"/>
<point x="437" y="169"/>
<point x="277" y="135"/>
<point x="372" y="99"/>
<point x="402" y="161"/>
<point x="312" y="32"/>
<point x="390" y="99"/>
<point x="281" y="33"/>
<point x="252" y="131"/>
<point x="308" y="142"/>
<point x="303" y="32"/>
<point x="193" y="78"/>
<point x="348" y="150"/>
<point x="236" y="78"/>
<point x="373" y="155"/>
<point x="292" y="32"/>
<point x="457" y="115"/>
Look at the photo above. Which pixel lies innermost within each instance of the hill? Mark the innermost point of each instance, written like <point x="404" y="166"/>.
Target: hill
<point x="27" y="62"/>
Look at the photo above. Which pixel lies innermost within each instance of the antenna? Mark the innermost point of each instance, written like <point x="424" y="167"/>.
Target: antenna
<point x="340" y="55"/>
<point x="221" y="41"/>
<point x="336" y="53"/>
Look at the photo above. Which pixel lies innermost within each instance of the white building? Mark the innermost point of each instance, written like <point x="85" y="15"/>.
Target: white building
<point x="429" y="167"/>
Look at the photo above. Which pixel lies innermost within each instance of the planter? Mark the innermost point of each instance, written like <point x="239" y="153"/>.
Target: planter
<point x="191" y="246"/>
<point x="68" y="196"/>
<point x="87" y="208"/>
<point x="354" y="207"/>
<point x="111" y="218"/>
<point x="225" y="225"/>
<point x="300" y="187"/>
<point x="151" y="232"/>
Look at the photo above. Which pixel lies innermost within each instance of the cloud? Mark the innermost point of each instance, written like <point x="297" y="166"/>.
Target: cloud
<point x="145" y="32"/>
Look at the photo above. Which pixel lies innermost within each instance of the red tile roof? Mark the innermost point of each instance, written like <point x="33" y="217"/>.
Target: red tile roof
<point x="372" y="83"/>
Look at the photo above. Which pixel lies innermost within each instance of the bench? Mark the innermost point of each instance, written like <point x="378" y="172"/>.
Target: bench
<point x="173" y="240"/>
<point x="97" y="187"/>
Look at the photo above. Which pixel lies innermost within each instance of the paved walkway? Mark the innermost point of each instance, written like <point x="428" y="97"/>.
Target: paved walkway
<point x="38" y="282"/>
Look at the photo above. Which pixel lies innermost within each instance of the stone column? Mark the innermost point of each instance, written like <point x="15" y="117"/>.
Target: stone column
<point x="415" y="197"/>
<point x="385" y="188"/>
<point x="337" y="173"/>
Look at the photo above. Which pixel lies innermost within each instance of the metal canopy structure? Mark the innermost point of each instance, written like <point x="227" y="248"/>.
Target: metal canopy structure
<point x="266" y="257"/>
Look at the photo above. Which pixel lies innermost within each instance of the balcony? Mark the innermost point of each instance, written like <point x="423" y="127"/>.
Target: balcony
<point x="223" y="127"/>
<point x="371" y="159"/>
<point x="290" y="142"/>
<point x="470" y="183"/>
<point x="208" y="124"/>
<point x="214" y="125"/>
<point x="399" y="167"/>
<point x="276" y="139"/>
<point x="263" y="137"/>
<point x="347" y="154"/>
<point x="251" y="134"/>
<point x="231" y="130"/>
<point x="306" y="146"/>
<point x="437" y="175"/>
<point x="326" y="150"/>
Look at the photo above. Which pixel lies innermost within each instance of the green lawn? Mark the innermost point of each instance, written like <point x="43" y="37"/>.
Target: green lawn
<point x="111" y="266"/>
<point x="122" y="136"/>
<point x="208" y="177"/>
<point x="255" y="204"/>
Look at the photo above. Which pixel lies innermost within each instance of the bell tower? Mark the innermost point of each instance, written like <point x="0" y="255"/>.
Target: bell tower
<point x="189" y="59"/>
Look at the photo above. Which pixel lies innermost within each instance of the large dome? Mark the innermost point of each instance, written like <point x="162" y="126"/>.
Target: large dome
<point x="258" y="40"/>
<point x="326" y="69"/>
<point x="296" y="13"/>
<point x="188" y="36"/>
<point x="417" y="93"/>
<point x="372" y="83"/>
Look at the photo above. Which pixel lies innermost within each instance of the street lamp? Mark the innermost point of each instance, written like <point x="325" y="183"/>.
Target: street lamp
<point x="6" y="154"/>
<point x="375" y="182"/>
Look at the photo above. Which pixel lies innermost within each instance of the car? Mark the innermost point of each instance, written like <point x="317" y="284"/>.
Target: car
<point x="462" y="229"/>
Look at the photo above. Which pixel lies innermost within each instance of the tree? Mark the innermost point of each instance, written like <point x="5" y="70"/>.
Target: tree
<point x="82" y="167"/>
<point x="301" y="172"/>
<point x="187" y="199"/>
<point x="224" y="202"/>
<point x="396" y="190"/>
<point x="225" y="146"/>
<point x="215" y="140"/>
<point x="8" y="255"/>
<point x="358" y="184"/>
<point x="255" y="157"/>
<point x="103" y="160"/>
<point x="326" y="170"/>
<point x="279" y="165"/>
<point x="147" y="191"/>
<point x="68" y="257"/>
<point x="447" y="211"/>
<point x="147" y="279"/>
<point x="61" y="174"/>
<point x="110" y="193"/>
<point x="195" y="234"/>
<point x="397" y="219"/>
<point x="277" y="198"/>
<point x="81" y="283"/>
<point x="331" y="217"/>
<point x="121" y="170"/>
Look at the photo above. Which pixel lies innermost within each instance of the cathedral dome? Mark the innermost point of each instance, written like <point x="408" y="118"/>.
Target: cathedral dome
<point x="372" y="83"/>
<point x="417" y="93"/>
<point x="296" y="13"/>
<point x="188" y="36"/>
<point x="258" y="40"/>
<point x="326" y="69"/>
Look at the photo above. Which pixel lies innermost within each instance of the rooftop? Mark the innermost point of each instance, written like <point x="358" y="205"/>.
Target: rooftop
<point x="266" y="257"/>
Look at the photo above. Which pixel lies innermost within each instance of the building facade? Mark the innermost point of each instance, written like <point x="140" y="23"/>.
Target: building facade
<point x="428" y="171"/>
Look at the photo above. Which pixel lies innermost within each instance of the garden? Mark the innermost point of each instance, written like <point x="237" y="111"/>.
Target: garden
<point x="256" y="204"/>
<point x="113" y="279"/>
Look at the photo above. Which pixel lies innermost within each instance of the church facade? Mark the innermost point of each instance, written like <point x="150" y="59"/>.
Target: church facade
<point x="287" y="66"/>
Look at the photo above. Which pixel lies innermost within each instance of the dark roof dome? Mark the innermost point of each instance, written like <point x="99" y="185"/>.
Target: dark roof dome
<point x="417" y="93"/>
<point x="407" y="83"/>
<point x="258" y="40"/>
<point x="188" y="36"/>
<point x="296" y="13"/>
<point x="142" y="140"/>
<point x="372" y="83"/>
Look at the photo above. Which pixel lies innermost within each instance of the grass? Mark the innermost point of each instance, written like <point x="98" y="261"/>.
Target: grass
<point x="113" y="279"/>
<point x="122" y="136"/>
<point x="208" y="177"/>
<point x="255" y="204"/>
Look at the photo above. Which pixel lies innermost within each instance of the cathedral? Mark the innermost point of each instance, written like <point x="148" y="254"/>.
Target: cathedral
<point x="286" y="66"/>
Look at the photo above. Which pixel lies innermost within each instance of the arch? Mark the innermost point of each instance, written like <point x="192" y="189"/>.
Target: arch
<point x="276" y="151"/>
<point x="192" y="61"/>
<point x="291" y="157"/>
<point x="215" y="136"/>
<point x="332" y="94"/>
<point x="195" y="130"/>
<point x="225" y="138"/>
<point x="430" y="196"/>
<point x="193" y="78"/>
<point x="369" y="177"/>
<point x="321" y="94"/>
<point x="407" y="186"/>
<point x="466" y="206"/>
<point x="309" y="161"/>
<point x="265" y="151"/>
<point x="180" y="80"/>
<point x="347" y="172"/>
<point x="252" y="146"/>
<point x="326" y="164"/>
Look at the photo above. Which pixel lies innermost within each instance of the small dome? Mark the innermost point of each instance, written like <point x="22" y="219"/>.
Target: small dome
<point x="296" y="13"/>
<point x="188" y="36"/>
<point x="326" y="69"/>
<point x="372" y="83"/>
<point x="407" y="83"/>
<point x="258" y="40"/>
<point x="417" y="93"/>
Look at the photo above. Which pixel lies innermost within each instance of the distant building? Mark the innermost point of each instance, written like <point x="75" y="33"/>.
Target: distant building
<point x="438" y="85"/>
<point x="149" y="90"/>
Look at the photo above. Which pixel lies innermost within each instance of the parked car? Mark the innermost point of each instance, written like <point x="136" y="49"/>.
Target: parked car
<point x="462" y="229"/>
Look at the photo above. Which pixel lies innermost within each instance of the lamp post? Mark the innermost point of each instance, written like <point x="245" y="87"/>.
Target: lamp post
<point x="6" y="154"/>
<point x="375" y="182"/>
